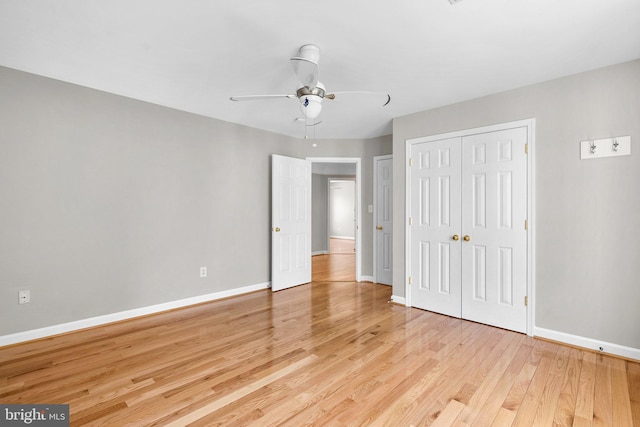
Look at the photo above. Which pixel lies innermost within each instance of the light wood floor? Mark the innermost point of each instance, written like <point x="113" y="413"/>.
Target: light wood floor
<point x="338" y="267"/>
<point x="341" y="246"/>
<point x="319" y="354"/>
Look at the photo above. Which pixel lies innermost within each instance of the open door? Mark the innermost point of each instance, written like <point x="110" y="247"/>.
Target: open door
<point x="291" y="222"/>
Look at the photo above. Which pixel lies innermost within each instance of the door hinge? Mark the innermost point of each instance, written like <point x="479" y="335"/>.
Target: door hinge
<point x="526" y="148"/>
<point x="526" y="301"/>
<point x="410" y="280"/>
<point x="526" y="224"/>
<point x="410" y="162"/>
<point x="410" y="221"/>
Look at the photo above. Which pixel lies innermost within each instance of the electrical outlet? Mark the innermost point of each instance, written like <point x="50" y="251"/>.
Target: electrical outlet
<point x="24" y="297"/>
<point x="203" y="271"/>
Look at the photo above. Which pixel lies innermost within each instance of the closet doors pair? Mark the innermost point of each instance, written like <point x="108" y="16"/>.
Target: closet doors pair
<point x="468" y="227"/>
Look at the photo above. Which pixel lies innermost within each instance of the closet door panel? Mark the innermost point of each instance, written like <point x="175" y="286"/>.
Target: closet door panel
<point x="494" y="244"/>
<point x="435" y="217"/>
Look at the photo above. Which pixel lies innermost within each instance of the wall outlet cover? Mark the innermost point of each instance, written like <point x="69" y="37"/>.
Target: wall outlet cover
<point x="24" y="297"/>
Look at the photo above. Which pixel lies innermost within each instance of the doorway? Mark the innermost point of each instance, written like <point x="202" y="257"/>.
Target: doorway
<point x="336" y="235"/>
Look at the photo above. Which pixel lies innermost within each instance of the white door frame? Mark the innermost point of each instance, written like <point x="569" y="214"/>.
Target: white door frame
<point x="355" y="160"/>
<point x="375" y="212"/>
<point x="530" y="125"/>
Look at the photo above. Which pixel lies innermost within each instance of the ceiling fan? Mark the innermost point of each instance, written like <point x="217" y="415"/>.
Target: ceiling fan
<point x="310" y="92"/>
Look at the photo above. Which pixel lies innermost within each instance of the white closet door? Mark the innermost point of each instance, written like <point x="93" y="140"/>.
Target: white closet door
<point x="435" y="219"/>
<point x="494" y="206"/>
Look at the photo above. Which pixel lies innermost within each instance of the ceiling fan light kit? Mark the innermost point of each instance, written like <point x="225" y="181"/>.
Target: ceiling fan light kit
<point x="311" y="100"/>
<point x="311" y="105"/>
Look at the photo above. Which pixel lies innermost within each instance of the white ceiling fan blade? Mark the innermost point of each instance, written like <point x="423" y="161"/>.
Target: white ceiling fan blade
<point x="306" y="70"/>
<point x="304" y="121"/>
<point x="259" y="97"/>
<point x="384" y="97"/>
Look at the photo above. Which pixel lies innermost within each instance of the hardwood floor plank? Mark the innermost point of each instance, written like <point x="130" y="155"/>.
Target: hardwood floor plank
<point x="449" y="414"/>
<point x="586" y="384"/>
<point x="633" y="381"/>
<point x="550" y="397"/>
<point x="528" y="407"/>
<point x="582" y="422"/>
<point x="326" y="353"/>
<point x="568" y="394"/>
<point x="335" y="267"/>
<point x="504" y="418"/>
<point x="620" y="394"/>
<point x="483" y="409"/>
<point x="241" y="392"/>
<point x="519" y="388"/>
<point x="603" y="398"/>
<point x="447" y="379"/>
<point x="486" y="376"/>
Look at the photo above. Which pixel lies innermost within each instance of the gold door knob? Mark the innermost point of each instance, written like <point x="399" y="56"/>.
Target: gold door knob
<point x="379" y="227"/>
<point x="466" y="238"/>
<point x="456" y="237"/>
<point x="277" y="229"/>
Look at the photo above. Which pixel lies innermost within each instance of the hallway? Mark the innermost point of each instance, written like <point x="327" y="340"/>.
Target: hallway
<point x="337" y="266"/>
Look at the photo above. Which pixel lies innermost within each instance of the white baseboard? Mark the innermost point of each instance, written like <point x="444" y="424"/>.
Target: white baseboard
<point x="589" y="343"/>
<point x="319" y="253"/>
<point x="366" y="279"/>
<point x="342" y="237"/>
<point x="398" y="300"/>
<point x="124" y="315"/>
<point x="579" y="341"/>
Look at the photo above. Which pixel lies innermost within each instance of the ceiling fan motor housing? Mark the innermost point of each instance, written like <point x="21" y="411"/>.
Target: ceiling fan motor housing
<point x="319" y="90"/>
<point x="310" y="52"/>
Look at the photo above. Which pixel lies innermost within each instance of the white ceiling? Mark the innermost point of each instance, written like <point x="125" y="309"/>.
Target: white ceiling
<point x="193" y="54"/>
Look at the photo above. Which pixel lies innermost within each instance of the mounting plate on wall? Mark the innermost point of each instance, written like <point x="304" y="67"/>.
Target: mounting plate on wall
<point x="607" y="147"/>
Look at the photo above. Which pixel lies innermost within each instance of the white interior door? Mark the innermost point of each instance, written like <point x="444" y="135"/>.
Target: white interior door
<point x="383" y="219"/>
<point x="291" y="222"/>
<point x="494" y="245"/>
<point x="467" y="234"/>
<point x="435" y="226"/>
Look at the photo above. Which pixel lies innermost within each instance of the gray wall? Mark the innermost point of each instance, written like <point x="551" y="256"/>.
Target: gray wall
<point x="587" y="232"/>
<point x="319" y="210"/>
<point x="110" y="204"/>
